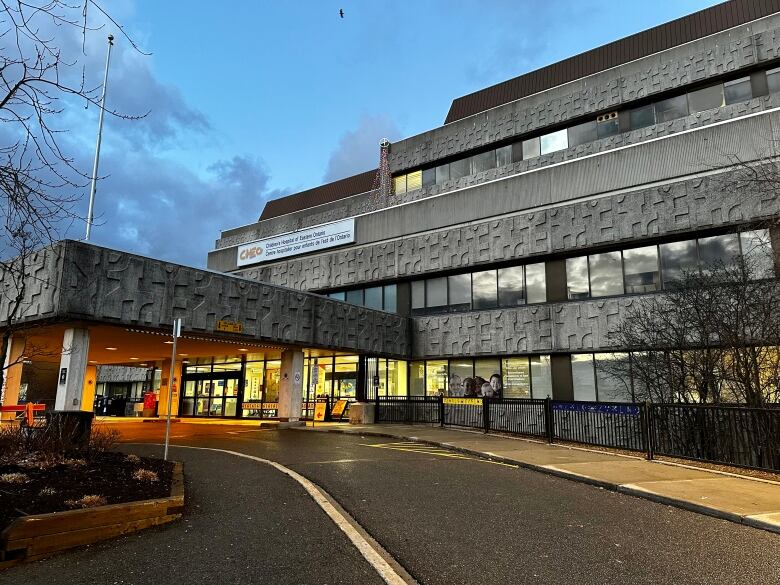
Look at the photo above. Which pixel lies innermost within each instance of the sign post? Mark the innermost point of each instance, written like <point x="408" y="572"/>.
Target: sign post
<point x="176" y="333"/>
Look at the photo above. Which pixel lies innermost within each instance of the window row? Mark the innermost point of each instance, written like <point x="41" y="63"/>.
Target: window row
<point x="514" y="377"/>
<point x="383" y="298"/>
<point x="486" y="289"/>
<point x="713" y="96"/>
<point x="651" y="268"/>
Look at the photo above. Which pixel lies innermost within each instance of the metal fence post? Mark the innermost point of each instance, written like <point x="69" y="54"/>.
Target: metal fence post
<point x="486" y="414"/>
<point x="649" y="429"/>
<point x="441" y="410"/>
<point x="549" y="420"/>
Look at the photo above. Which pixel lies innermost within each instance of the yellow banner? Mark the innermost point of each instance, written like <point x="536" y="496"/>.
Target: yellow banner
<point x="319" y="411"/>
<point x="474" y="401"/>
<point x="338" y="408"/>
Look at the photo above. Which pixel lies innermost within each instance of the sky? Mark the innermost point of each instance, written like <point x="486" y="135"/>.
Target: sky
<point x="245" y="101"/>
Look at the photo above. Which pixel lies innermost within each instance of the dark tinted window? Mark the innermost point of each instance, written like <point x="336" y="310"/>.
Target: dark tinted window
<point x="418" y="294"/>
<point x="373" y="297"/>
<point x="517" y="152"/>
<point x="436" y="292"/>
<point x="677" y="259"/>
<point x="773" y="80"/>
<point x="706" y="98"/>
<point x="504" y="156"/>
<point x="718" y="252"/>
<point x="484" y="289"/>
<point x="642" y="117"/>
<point x="582" y="133"/>
<point x="429" y="177"/>
<point x="460" y="168"/>
<point x="483" y="162"/>
<point x="671" y="109"/>
<point x="355" y="297"/>
<point x="391" y="296"/>
<point x="640" y="266"/>
<point x="339" y="296"/>
<point x="460" y="291"/>
<point x="606" y="274"/>
<point x="442" y="173"/>
<point x="607" y="128"/>
<point x="511" y="289"/>
<point x="738" y="90"/>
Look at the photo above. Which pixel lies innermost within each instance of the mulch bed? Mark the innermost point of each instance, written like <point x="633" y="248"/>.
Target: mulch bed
<point x="106" y="474"/>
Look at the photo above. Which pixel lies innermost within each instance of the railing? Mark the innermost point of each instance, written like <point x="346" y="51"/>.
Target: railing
<point x="731" y="435"/>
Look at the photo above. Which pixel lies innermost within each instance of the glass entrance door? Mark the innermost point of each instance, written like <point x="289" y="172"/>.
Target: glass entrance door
<point x="210" y="395"/>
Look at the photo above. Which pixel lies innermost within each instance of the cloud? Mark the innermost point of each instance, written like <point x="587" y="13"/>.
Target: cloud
<point x="358" y="149"/>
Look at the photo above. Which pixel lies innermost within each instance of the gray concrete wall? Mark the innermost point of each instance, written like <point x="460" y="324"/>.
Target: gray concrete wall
<point x="40" y="298"/>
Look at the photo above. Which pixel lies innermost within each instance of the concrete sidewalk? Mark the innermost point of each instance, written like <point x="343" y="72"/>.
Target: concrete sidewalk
<point x="741" y="499"/>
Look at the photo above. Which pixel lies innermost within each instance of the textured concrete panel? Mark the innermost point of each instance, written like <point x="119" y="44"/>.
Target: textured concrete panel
<point x="38" y="291"/>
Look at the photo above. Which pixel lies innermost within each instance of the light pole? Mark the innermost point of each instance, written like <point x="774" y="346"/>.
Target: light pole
<point x="171" y="383"/>
<point x="93" y="186"/>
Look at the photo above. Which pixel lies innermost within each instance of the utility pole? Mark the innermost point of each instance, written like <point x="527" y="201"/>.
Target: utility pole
<point x="93" y="187"/>
<point x="171" y="383"/>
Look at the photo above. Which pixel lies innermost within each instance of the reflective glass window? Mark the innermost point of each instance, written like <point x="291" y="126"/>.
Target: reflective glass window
<point x="607" y="128"/>
<point x="484" y="289"/>
<point x="718" y="252"/>
<point x="677" y="259"/>
<point x="757" y="254"/>
<point x="535" y="283"/>
<point x="516" y="377"/>
<point x="582" y="133"/>
<point x="773" y="80"/>
<point x="671" y="109"/>
<point x="531" y="148"/>
<point x="355" y="297"/>
<point x="511" y="289"/>
<point x="613" y="377"/>
<point x="442" y="173"/>
<point x="417" y="379"/>
<point x="541" y="376"/>
<point x="577" y="278"/>
<point x="583" y="376"/>
<point x="554" y="141"/>
<point x="460" y="370"/>
<point x="487" y="374"/>
<point x="418" y="294"/>
<point x="460" y="168"/>
<point x="436" y="377"/>
<point x="517" y="151"/>
<point x="414" y="181"/>
<point x="706" y="98"/>
<point x="738" y="90"/>
<point x="504" y="156"/>
<point x="428" y="177"/>
<point x="390" y="298"/>
<point x="339" y="296"/>
<point x="606" y="274"/>
<point x="399" y="184"/>
<point x="436" y="292"/>
<point x="459" y="291"/>
<point x="640" y="266"/>
<point x="483" y="162"/>
<point x="373" y="297"/>
<point x="642" y="117"/>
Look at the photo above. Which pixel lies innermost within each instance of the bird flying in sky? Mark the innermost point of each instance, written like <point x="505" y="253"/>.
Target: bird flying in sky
<point x="341" y="12"/>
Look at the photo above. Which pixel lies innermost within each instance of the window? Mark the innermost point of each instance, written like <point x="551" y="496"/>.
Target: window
<point x="373" y="297"/>
<point x="577" y="278"/>
<point x="391" y="298"/>
<point x="460" y="292"/>
<point x="608" y="127"/>
<point x="516" y="377"/>
<point x="640" y="266"/>
<point x="396" y="378"/>
<point x="757" y="254"/>
<point x="642" y="117"/>
<point x="504" y="156"/>
<point x="460" y="168"/>
<point x="706" y="98"/>
<point x="554" y="141"/>
<point x="718" y="252"/>
<point x="531" y="148"/>
<point x="535" y="283"/>
<point x="459" y="370"/>
<point x="442" y="173"/>
<point x="355" y="297"/>
<point x="436" y="292"/>
<point x="583" y="376"/>
<point x="417" y="379"/>
<point x="339" y="296"/>
<point x="613" y="377"/>
<point x="484" y="289"/>
<point x="583" y="133"/>
<point x="510" y="287"/>
<point x="399" y="184"/>
<point x="773" y="80"/>
<point x="436" y="377"/>
<point x="677" y="258"/>
<point x="738" y="90"/>
<point x="517" y="151"/>
<point x="428" y="177"/>
<point x="483" y="162"/>
<point x="671" y="109"/>
<point x="414" y="181"/>
<point x="488" y="368"/>
<point x="418" y="294"/>
<point x="606" y="274"/>
<point x="541" y="376"/>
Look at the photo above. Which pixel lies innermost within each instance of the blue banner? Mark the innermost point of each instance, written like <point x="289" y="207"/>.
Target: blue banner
<point x="600" y="408"/>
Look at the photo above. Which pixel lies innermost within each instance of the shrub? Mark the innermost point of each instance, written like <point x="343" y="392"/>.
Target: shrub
<point x="87" y="502"/>
<point x="47" y="491"/>
<point x="14" y="478"/>
<point x="145" y="475"/>
<point x="134" y="459"/>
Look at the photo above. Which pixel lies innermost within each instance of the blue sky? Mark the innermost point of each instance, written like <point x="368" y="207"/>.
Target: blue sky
<point x="253" y="100"/>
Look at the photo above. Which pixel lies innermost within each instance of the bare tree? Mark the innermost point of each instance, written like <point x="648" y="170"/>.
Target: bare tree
<point x="40" y="182"/>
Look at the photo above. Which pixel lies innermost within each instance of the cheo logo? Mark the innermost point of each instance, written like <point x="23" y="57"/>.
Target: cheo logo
<point x="251" y="252"/>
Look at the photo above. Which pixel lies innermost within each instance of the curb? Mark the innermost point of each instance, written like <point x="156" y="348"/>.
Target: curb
<point x="37" y="536"/>
<point x="626" y="489"/>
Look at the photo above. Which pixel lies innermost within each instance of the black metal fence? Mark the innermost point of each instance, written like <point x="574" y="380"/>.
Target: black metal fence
<point x="731" y="435"/>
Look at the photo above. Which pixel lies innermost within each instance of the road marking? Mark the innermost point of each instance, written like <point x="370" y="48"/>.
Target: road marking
<point x="411" y="447"/>
<point x="374" y="557"/>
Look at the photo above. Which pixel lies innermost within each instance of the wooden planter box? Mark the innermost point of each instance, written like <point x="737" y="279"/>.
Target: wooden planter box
<point x="33" y="537"/>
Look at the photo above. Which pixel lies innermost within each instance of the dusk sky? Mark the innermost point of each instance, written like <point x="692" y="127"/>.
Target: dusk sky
<point x="252" y="100"/>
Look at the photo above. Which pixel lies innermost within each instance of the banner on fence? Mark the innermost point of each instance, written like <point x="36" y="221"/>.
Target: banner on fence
<point x="473" y="401"/>
<point x="601" y="408"/>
